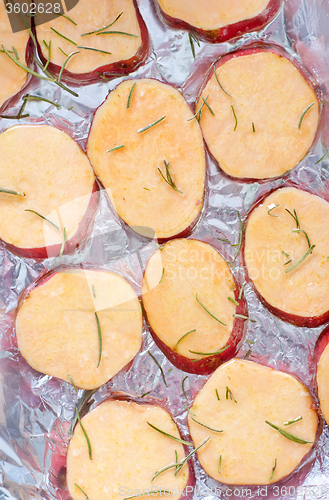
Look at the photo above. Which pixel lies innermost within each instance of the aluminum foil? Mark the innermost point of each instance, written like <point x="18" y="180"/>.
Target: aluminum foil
<point x="35" y="409"/>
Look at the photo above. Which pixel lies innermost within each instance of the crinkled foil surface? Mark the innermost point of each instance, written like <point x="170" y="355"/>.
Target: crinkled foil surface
<point x="35" y="410"/>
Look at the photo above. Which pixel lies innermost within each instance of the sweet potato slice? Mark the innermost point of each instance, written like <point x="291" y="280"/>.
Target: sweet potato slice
<point x="58" y="332"/>
<point x="130" y="147"/>
<point x="248" y="450"/>
<point x="118" y="49"/>
<point x="12" y="78"/>
<point x="267" y="123"/>
<point x="126" y="454"/>
<point x="180" y="281"/>
<point x="52" y="177"/>
<point x="322" y="375"/>
<point x="287" y="270"/>
<point x="219" y="20"/>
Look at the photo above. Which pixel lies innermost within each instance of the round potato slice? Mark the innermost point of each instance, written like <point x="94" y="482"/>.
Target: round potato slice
<point x="12" y="77"/>
<point x="147" y="150"/>
<point x="53" y="179"/>
<point x="265" y="114"/>
<point x="107" y="36"/>
<point x="286" y="250"/>
<point x="80" y="325"/>
<point x="251" y="403"/>
<point x="190" y="299"/>
<point x="126" y="454"/>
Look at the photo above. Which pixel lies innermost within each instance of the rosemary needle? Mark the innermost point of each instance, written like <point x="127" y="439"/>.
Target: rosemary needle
<point x="209" y="353"/>
<point x="293" y="421"/>
<point x="163" y="270"/>
<point x="115" y="148"/>
<point x="220" y="464"/>
<point x="37" y="98"/>
<point x="230" y="393"/>
<point x="241" y="290"/>
<point x="99" y="331"/>
<point x="288" y="435"/>
<point x="192" y="39"/>
<point x="85" y="434"/>
<point x="236" y="120"/>
<point x="183" y="337"/>
<point x="190" y="454"/>
<point x="183" y="381"/>
<point x="79" y="487"/>
<point x="272" y="207"/>
<point x="241" y="316"/>
<point x="28" y="70"/>
<point x="65" y="63"/>
<point x="221" y="84"/>
<point x="204" y="425"/>
<point x="145" y="394"/>
<point x="217" y="394"/>
<point x="206" y="104"/>
<point x="204" y="307"/>
<point x="322" y="157"/>
<point x="95" y="50"/>
<point x="306" y="254"/>
<point x="116" y="33"/>
<point x="168" y="179"/>
<point x="303" y="114"/>
<point x="273" y="470"/>
<point x="233" y="301"/>
<point x="69" y="19"/>
<point x="144" y="129"/>
<point x="71" y="380"/>
<point x="253" y="127"/>
<point x="64" y="53"/>
<point x="104" y="27"/>
<point x="62" y="36"/>
<point x="42" y="217"/>
<point x="169" y="435"/>
<point x="63" y="245"/>
<point x="294" y="216"/>
<point x="160" y="367"/>
<point x="130" y="95"/>
<point x="10" y="191"/>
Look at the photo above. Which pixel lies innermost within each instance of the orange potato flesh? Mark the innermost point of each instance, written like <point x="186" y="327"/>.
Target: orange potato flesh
<point x="12" y="78"/>
<point x="52" y="189"/>
<point x="215" y="14"/>
<point x="248" y="445"/>
<point x="126" y="453"/>
<point x="302" y="291"/>
<point x="270" y="92"/>
<point x="323" y="383"/>
<point x="190" y="267"/>
<point x="92" y="16"/>
<point x="57" y="331"/>
<point x="138" y="192"/>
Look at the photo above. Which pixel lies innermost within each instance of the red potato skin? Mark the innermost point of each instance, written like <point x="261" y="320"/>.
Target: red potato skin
<point x="59" y="451"/>
<point x="294" y="319"/>
<point x="254" y="48"/>
<point x="109" y="71"/>
<point x="71" y="245"/>
<point x="314" y="357"/>
<point x="207" y="365"/>
<point x="227" y="32"/>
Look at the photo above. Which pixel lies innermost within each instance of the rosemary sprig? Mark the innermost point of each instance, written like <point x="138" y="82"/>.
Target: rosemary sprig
<point x="306" y="254"/>
<point x="199" y="111"/>
<point x="290" y="422"/>
<point x="217" y="394"/>
<point x="37" y="98"/>
<point x="272" y="207"/>
<point x="60" y="84"/>
<point x="233" y="301"/>
<point x="204" y="425"/>
<point x="240" y="237"/>
<point x="95" y="50"/>
<point x="221" y="86"/>
<point x="85" y="434"/>
<point x="306" y="235"/>
<point x="69" y="19"/>
<point x="209" y="353"/>
<point x="168" y="179"/>
<point x="160" y="367"/>
<point x="169" y="435"/>
<point x="206" y="104"/>
<point x="322" y="157"/>
<point x="79" y="487"/>
<point x="183" y="389"/>
<point x="253" y="127"/>
<point x="28" y="70"/>
<point x="236" y="120"/>
<point x="207" y="310"/>
<point x="190" y="455"/>
<point x="192" y="39"/>
<point x="220" y="464"/>
<point x="100" y="343"/>
<point x="63" y="245"/>
<point x="273" y="470"/>
<point x="104" y="27"/>
<point x="230" y="393"/>
<point x="183" y="337"/>
<point x="144" y="129"/>
<point x="62" y="36"/>
<point x="65" y="64"/>
<point x="170" y="466"/>
<point x="241" y="290"/>
<point x="130" y="95"/>
<point x="49" y="53"/>
<point x="116" y="33"/>
<point x="288" y="435"/>
<point x="71" y="380"/>
<point x="44" y="218"/>
<point x="19" y="115"/>
<point x="303" y="114"/>
<point x="10" y="191"/>
<point x="294" y="216"/>
<point x="148" y="493"/>
<point x="115" y="148"/>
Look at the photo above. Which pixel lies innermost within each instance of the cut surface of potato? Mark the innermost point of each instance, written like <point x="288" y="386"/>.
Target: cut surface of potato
<point x="12" y="78"/>
<point x="128" y="154"/>
<point x="126" y="453"/>
<point x="274" y="247"/>
<point x="56" y="177"/>
<point x="323" y="383"/>
<point x="262" y="129"/>
<point x="57" y="328"/>
<point x="179" y="277"/>
<point x="248" y="448"/>
<point x="215" y="14"/>
<point x="121" y="40"/>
